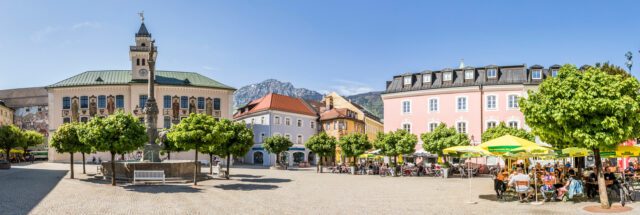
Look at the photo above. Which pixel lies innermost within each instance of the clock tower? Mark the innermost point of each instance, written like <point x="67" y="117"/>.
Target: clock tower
<point x="139" y="54"/>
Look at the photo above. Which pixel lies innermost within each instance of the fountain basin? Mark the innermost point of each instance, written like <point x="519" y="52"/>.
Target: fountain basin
<point x="173" y="169"/>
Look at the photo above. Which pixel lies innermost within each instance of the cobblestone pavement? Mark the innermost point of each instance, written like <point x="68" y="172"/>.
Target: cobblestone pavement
<point x="39" y="189"/>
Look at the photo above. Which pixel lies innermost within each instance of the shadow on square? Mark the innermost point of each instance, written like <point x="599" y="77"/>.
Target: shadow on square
<point x="246" y="187"/>
<point x="24" y="189"/>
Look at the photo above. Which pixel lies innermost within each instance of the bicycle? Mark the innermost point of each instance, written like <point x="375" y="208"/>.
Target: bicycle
<point x="626" y="192"/>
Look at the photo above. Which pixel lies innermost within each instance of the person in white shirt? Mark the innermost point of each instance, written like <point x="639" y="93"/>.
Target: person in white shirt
<point x="521" y="188"/>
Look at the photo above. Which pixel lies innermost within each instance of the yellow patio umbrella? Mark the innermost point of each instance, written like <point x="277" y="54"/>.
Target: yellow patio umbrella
<point x="576" y="152"/>
<point x="505" y="144"/>
<point x="534" y="150"/>
<point x="631" y="151"/>
<point x="467" y="151"/>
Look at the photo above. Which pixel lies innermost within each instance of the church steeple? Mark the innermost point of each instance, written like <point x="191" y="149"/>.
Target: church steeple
<point x="143" y="32"/>
<point x="139" y="54"/>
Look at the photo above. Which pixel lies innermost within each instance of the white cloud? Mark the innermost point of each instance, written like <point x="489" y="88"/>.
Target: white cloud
<point x="85" y="24"/>
<point x="347" y="87"/>
<point x="42" y="34"/>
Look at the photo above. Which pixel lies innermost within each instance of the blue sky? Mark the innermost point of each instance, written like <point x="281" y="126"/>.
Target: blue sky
<point x="344" y="46"/>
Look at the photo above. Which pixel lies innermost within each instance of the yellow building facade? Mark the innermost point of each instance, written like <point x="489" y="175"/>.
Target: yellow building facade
<point x="6" y="114"/>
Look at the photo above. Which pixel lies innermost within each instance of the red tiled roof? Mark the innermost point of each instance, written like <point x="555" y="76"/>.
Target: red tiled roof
<point x="278" y="102"/>
<point x="336" y="113"/>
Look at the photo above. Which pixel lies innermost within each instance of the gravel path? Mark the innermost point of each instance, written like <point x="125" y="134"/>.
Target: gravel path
<point x="38" y="189"/>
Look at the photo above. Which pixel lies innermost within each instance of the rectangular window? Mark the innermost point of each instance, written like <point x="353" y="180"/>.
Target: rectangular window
<point x="406" y="127"/>
<point x="468" y="74"/>
<point x="407" y="80"/>
<point x="313" y="124"/>
<point x="276" y="120"/>
<point x="462" y="103"/>
<point x="200" y="103"/>
<point x="84" y="119"/>
<point x="262" y="120"/>
<point x="166" y="101"/>
<point x="66" y="103"/>
<point x="513" y="101"/>
<point x="262" y="137"/>
<point x="426" y="78"/>
<point x="491" y="124"/>
<point x="492" y="73"/>
<point x="299" y="139"/>
<point x="287" y="121"/>
<point x="167" y="122"/>
<point x="513" y="124"/>
<point x="536" y="74"/>
<point x="102" y="101"/>
<point x="491" y="102"/>
<point x="84" y="101"/>
<point x="327" y="126"/>
<point x="446" y="76"/>
<point x="299" y="123"/>
<point x="462" y="127"/>
<point x="216" y="104"/>
<point x="433" y="105"/>
<point x="143" y="100"/>
<point x="554" y="73"/>
<point x="406" y="107"/>
<point x="66" y="120"/>
<point x="432" y="126"/>
<point x="288" y="136"/>
<point x="119" y="101"/>
<point x="184" y="102"/>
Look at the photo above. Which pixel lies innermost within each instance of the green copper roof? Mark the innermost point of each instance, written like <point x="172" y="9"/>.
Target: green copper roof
<point x="120" y="77"/>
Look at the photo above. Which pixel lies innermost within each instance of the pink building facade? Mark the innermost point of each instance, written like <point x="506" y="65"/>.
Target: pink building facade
<point x="469" y="99"/>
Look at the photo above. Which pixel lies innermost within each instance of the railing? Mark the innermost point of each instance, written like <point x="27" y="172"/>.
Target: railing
<point x="141" y="48"/>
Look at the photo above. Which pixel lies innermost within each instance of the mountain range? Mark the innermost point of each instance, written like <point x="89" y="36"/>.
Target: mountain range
<point x="370" y="101"/>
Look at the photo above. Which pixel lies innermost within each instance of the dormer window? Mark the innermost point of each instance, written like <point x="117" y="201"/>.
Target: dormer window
<point x="407" y="80"/>
<point x="468" y="74"/>
<point x="426" y="78"/>
<point x="554" y="73"/>
<point x="536" y="74"/>
<point x="492" y="73"/>
<point x="446" y="76"/>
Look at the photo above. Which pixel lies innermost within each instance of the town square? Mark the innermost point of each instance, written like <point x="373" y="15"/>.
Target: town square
<point x="313" y="107"/>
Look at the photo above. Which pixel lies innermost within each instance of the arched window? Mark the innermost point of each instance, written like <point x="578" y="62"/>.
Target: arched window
<point x="138" y="61"/>
<point x="143" y="44"/>
<point x="143" y="60"/>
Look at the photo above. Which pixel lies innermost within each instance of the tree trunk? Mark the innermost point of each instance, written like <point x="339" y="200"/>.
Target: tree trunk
<point x="228" y="163"/>
<point x="113" y="169"/>
<point x="210" y="164"/>
<point x="277" y="159"/>
<point x="7" y="151"/>
<point x="71" y="164"/>
<point x="195" y="173"/>
<point x="84" y="171"/>
<point x="602" y="189"/>
<point x="122" y="157"/>
<point x="168" y="155"/>
<point x="319" y="166"/>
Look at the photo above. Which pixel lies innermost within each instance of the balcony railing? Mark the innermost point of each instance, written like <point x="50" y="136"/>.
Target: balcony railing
<point x="141" y="48"/>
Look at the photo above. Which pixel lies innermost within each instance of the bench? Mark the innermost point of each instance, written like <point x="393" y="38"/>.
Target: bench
<point x="151" y="175"/>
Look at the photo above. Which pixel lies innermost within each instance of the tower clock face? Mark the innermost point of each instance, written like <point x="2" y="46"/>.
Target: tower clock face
<point x="143" y="72"/>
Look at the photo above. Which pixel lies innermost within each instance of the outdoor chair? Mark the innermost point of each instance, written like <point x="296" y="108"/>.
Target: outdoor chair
<point x="551" y="191"/>
<point x="522" y="187"/>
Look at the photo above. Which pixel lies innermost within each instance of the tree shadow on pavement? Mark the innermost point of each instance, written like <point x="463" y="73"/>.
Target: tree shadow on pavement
<point x="162" y="188"/>
<point x="23" y="189"/>
<point x="266" y="180"/>
<point x="244" y="176"/>
<point x="246" y="187"/>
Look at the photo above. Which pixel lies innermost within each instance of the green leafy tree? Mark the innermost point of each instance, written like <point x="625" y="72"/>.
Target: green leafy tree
<point x="277" y="144"/>
<point x="323" y="145"/>
<point x="502" y="129"/>
<point x="395" y="143"/>
<point x="31" y="138"/>
<point x="233" y="139"/>
<point x="10" y="137"/>
<point x="354" y="145"/>
<point x="591" y="109"/>
<point x="119" y="133"/>
<point x="67" y="140"/>
<point x="194" y="132"/>
<point x="443" y="137"/>
<point x="167" y="145"/>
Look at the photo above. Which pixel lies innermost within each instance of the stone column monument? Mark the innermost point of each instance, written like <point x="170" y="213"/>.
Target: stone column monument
<point x="151" y="149"/>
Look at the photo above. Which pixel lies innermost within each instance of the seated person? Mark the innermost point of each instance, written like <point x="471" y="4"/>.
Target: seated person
<point x="548" y="180"/>
<point x="523" y="189"/>
<point x="591" y="185"/>
<point x="611" y="181"/>
<point x="630" y="170"/>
